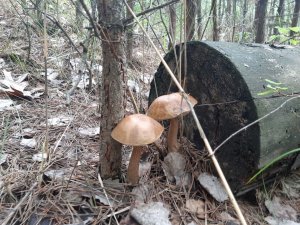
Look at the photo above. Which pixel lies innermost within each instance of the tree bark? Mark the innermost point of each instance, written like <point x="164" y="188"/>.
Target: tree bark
<point x="215" y="22"/>
<point x="234" y="20"/>
<point x="112" y="100"/>
<point x="199" y="19"/>
<point x="279" y="16"/>
<point x="129" y="34"/>
<point x="228" y="8"/>
<point x="190" y="19"/>
<point x="272" y="17"/>
<point x="79" y="15"/>
<point x="172" y="26"/>
<point x="260" y="20"/>
<point x="295" y="15"/>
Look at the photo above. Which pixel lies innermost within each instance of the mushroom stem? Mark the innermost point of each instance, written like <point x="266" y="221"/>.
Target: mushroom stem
<point x="133" y="167"/>
<point x="173" y="145"/>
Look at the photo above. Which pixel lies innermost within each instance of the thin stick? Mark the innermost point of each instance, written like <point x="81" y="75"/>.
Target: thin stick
<point x="202" y="134"/>
<point x="106" y="196"/>
<point x="254" y="122"/>
<point x="10" y="215"/>
<point x="117" y="212"/>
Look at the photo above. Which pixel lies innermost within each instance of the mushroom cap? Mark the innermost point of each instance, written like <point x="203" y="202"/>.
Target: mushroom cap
<point x="137" y="130"/>
<point x="170" y="106"/>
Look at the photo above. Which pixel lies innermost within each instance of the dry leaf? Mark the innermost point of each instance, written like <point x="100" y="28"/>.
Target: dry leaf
<point x="278" y="221"/>
<point x="28" y="142"/>
<point x="151" y="214"/>
<point x="39" y="157"/>
<point x="196" y="207"/>
<point x="14" y="88"/>
<point x="141" y="192"/>
<point x="213" y="186"/>
<point x="60" y="174"/>
<point x="174" y="167"/>
<point x="90" y="132"/>
<point x="5" y="104"/>
<point x="60" y="121"/>
<point x="3" y="158"/>
<point x="280" y="210"/>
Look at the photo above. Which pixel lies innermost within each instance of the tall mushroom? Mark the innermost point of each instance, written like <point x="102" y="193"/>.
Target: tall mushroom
<point x="171" y="106"/>
<point x="136" y="130"/>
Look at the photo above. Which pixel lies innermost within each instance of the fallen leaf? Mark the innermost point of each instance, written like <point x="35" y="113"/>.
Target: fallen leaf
<point x="225" y="217"/>
<point x="16" y="88"/>
<point x="60" y="174"/>
<point x="2" y="63"/>
<point x="291" y="184"/>
<point x="3" y="158"/>
<point x="133" y="86"/>
<point x="39" y="157"/>
<point x="153" y="213"/>
<point x="60" y="121"/>
<point x="144" y="168"/>
<point x="279" y="210"/>
<point x="213" y="186"/>
<point x="278" y="221"/>
<point x="13" y="87"/>
<point x="174" y="167"/>
<point x="5" y="103"/>
<point x="102" y="198"/>
<point x="141" y="192"/>
<point x="90" y="132"/>
<point x="28" y="142"/>
<point x="196" y="207"/>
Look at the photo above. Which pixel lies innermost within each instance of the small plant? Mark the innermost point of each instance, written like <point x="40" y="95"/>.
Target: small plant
<point x="285" y="35"/>
<point x="272" y="88"/>
<point x="272" y="162"/>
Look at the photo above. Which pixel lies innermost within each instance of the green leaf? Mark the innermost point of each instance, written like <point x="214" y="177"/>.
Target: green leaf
<point x="273" y="37"/>
<point x="272" y="82"/>
<point x="272" y="163"/>
<point x="271" y="87"/>
<point x="269" y="91"/>
<point x="295" y="29"/>
<point x="294" y="42"/>
<point x="283" y="30"/>
<point x="282" y="88"/>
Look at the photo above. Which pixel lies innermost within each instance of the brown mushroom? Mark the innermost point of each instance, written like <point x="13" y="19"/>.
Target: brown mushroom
<point x="136" y="130"/>
<point x="171" y="106"/>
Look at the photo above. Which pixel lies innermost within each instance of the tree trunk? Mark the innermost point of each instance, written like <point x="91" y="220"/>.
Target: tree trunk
<point x="295" y="15"/>
<point x="228" y="100"/>
<point x="129" y="35"/>
<point x="271" y="14"/>
<point x="234" y="20"/>
<point x="172" y="26"/>
<point x="40" y="7"/>
<point x="260" y="20"/>
<point x="190" y="19"/>
<point x="228" y="8"/>
<point x="112" y="100"/>
<point x="199" y="19"/>
<point x="279" y="16"/>
<point x="215" y="22"/>
<point x="79" y="15"/>
<point x="245" y="9"/>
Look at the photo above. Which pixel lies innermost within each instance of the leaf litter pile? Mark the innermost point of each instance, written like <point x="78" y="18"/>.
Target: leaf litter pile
<point x="61" y="185"/>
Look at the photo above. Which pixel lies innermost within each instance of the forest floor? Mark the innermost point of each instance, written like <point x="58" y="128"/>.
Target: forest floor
<point x="61" y="185"/>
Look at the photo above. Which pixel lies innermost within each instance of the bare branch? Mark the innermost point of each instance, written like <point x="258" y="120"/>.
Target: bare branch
<point x="129" y="19"/>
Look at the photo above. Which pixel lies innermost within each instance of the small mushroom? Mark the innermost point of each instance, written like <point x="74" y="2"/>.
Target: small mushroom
<point x="136" y="130"/>
<point x="171" y="106"/>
